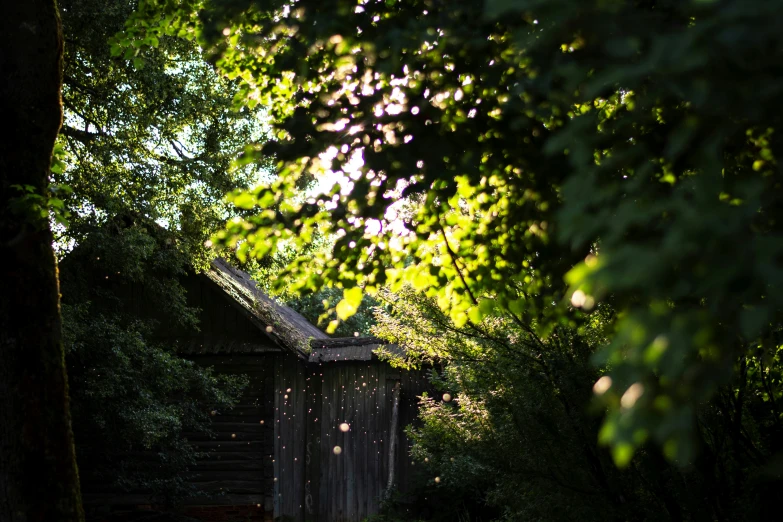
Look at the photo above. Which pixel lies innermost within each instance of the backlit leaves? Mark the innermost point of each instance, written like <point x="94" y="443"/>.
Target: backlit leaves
<point x="530" y="139"/>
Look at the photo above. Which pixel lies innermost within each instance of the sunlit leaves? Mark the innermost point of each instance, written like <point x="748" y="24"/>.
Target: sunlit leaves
<point x="563" y="155"/>
<point x="159" y="142"/>
<point x="352" y="298"/>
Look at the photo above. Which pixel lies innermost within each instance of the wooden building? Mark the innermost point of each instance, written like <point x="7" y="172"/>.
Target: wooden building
<point x="318" y="434"/>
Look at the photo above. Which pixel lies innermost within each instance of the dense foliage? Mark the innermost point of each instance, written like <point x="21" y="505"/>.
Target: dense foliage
<point x="514" y="438"/>
<point x="152" y="132"/>
<point x="575" y="204"/>
<point x="134" y="400"/>
<point x="147" y="139"/>
<point x="565" y="153"/>
<point x="318" y="307"/>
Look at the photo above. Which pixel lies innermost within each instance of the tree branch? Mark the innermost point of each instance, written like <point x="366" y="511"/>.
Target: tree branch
<point x="456" y="265"/>
<point x="80" y="135"/>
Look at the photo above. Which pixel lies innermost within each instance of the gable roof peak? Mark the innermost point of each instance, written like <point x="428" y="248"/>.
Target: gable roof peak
<point x="284" y="325"/>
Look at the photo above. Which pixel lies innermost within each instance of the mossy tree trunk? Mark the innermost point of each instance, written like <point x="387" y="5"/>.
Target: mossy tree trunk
<point x="38" y="476"/>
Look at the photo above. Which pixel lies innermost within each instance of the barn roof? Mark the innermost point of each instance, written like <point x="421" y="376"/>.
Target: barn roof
<point x="285" y="326"/>
<point x="350" y="349"/>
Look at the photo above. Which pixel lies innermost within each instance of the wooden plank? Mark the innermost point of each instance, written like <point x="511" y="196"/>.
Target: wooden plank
<point x="312" y="450"/>
<point x="395" y="417"/>
<point x="359" y="441"/>
<point x="243" y="409"/>
<point x="135" y="499"/>
<point x="268" y="404"/>
<point x="340" y="493"/>
<point x="207" y="320"/>
<point x="372" y="442"/>
<point x="115" y="499"/>
<point x="251" y="417"/>
<point x="221" y="424"/>
<point x="232" y="456"/>
<point x="234" y="486"/>
<point x="326" y="444"/>
<point x="379" y="414"/>
<point x="365" y="489"/>
<point x="290" y="496"/>
<point x="361" y="435"/>
<point x="242" y="363"/>
<point x="223" y="464"/>
<point x="332" y="486"/>
<point x="230" y="323"/>
<point x="369" y="408"/>
<point x="318" y="448"/>
<point x="330" y="406"/>
<point x="226" y="436"/>
<point x="323" y="445"/>
<point x="229" y="445"/>
<point x="380" y="395"/>
<point x="230" y="499"/>
<point x="277" y="433"/>
<point x="289" y="454"/>
<point x="349" y="474"/>
<point x="223" y="475"/>
<point x="298" y="435"/>
<point x="288" y="487"/>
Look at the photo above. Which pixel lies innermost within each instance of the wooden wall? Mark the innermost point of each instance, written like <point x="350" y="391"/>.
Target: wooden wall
<point x="224" y="326"/>
<point x="275" y="450"/>
<point x="347" y="486"/>
<point x="239" y="464"/>
<point x="289" y="437"/>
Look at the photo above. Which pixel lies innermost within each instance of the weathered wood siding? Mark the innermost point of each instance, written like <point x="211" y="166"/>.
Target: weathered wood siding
<point x="346" y="486"/>
<point x="276" y="448"/>
<point x="240" y="460"/>
<point x="289" y="437"/>
<point x="224" y="326"/>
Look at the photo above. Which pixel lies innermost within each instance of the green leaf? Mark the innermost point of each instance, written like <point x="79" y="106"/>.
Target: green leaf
<point x="243" y="200"/>
<point x="345" y="309"/>
<point x="353" y="296"/>
<point x="475" y="314"/>
<point x="622" y="453"/>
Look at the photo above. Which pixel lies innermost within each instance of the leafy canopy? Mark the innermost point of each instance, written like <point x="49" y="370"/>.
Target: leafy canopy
<point x="151" y="131"/>
<point x="134" y="399"/>
<point x="148" y="137"/>
<point x="559" y="153"/>
<point x="516" y="431"/>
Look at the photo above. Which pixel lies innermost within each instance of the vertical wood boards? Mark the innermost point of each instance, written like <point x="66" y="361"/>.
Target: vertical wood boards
<point x="289" y="460"/>
<point x="349" y="453"/>
<point x="372" y="441"/>
<point x="360" y="423"/>
<point x="395" y="417"/>
<point x="299" y="419"/>
<point x="313" y="405"/>
<point x="289" y="433"/>
<point x="351" y="484"/>
<point x="326" y="444"/>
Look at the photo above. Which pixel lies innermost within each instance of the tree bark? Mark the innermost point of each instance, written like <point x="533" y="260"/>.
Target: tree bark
<point x="38" y="476"/>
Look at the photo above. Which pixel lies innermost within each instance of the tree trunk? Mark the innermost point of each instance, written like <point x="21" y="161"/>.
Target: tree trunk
<point x="38" y="477"/>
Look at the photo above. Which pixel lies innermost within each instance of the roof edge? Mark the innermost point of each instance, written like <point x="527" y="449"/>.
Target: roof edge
<point x="282" y="324"/>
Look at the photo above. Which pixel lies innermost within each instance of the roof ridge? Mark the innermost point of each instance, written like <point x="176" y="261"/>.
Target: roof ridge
<point x="337" y="342"/>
